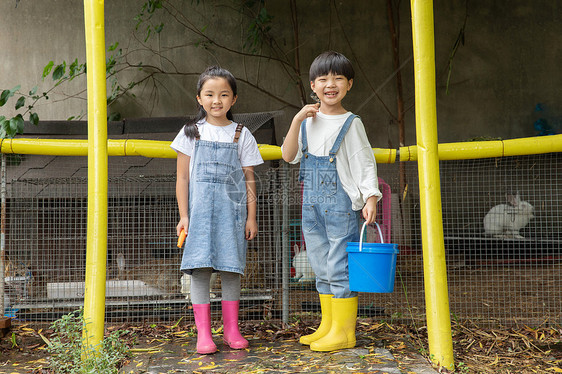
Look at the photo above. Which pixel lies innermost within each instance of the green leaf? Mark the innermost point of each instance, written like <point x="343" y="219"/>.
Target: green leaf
<point x="47" y="69"/>
<point x="34" y="118"/>
<point x="153" y="5"/>
<point x="159" y="28"/>
<point x="114" y="46"/>
<point x="58" y="73"/>
<point x="33" y="91"/>
<point x="4" y="97"/>
<point x="6" y="94"/>
<point x="72" y="68"/>
<point x="15" y="126"/>
<point x="3" y="126"/>
<point x="20" y="102"/>
<point x="19" y="123"/>
<point x="114" y="116"/>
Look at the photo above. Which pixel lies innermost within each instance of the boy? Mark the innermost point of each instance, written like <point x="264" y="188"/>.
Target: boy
<point x="339" y="176"/>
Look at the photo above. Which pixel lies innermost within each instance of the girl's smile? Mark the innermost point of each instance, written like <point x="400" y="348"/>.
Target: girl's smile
<point x="217" y="98"/>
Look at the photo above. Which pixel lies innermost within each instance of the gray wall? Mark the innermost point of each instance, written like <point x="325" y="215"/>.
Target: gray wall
<point x="509" y="62"/>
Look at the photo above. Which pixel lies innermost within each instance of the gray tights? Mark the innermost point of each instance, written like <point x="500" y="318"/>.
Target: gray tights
<point x="200" y="280"/>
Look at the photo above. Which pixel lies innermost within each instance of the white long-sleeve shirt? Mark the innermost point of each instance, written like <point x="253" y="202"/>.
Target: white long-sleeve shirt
<point x="356" y="165"/>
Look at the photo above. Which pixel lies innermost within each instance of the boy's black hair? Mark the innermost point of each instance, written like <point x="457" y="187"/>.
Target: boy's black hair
<point x="331" y="62"/>
<point x="190" y="128"/>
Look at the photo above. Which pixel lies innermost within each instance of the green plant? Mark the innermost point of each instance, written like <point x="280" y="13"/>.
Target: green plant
<point x="461" y="367"/>
<point x="13" y="340"/>
<point x="70" y="356"/>
<point x="10" y="127"/>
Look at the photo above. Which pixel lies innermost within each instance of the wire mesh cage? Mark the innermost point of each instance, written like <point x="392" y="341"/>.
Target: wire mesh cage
<point x="47" y="241"/>
<point x="494" y="278"/>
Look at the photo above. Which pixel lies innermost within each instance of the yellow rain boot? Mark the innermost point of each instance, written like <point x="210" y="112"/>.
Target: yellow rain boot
<point x="342" y="332"/>
<point x="325" y="323"/>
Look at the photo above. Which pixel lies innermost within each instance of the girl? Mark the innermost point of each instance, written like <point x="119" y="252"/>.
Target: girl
<point x="216" y="195"/>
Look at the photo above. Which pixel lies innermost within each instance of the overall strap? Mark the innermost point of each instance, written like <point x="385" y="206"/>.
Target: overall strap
<point x="304" y="141"/>
<point x="237" y="133"/>
<point x="341" y="135"/>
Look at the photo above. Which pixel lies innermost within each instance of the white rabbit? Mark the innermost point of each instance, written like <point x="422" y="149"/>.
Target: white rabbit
<point x="303" y="271"/>
<point x="505" y="220"/>
<point x="186" y="285"/>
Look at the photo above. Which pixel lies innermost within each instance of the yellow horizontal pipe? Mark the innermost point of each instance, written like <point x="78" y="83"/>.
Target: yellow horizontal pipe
<point x="385" y="155"/>
<point x="496" y="148"/>
<point x="270" y="152"/>
<point x="55" y="147"/>
<point x="79" y="147"/>
<point x="135" y="147"/>
<point x="161" y="149"/>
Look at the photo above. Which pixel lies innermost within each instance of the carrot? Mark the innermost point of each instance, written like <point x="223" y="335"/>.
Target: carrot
<point x="181" y="238"/>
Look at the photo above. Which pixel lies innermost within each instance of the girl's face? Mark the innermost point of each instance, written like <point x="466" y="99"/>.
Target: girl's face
<point x="216" y="98"/>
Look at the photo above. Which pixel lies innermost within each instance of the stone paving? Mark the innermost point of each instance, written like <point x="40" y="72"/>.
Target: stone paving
<point x="271" y="357"/>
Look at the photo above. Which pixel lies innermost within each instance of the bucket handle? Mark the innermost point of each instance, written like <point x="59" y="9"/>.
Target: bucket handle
<point x="363" y="230"/>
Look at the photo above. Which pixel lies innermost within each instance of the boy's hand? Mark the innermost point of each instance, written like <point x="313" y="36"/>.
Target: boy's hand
<point x="251" y="229"/>
<point x="370" y="210"/>
<point x="309" y="110"/>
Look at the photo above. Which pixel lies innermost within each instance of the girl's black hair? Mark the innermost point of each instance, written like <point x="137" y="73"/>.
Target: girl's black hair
<point x="190" y="128"/>
<point x="331" y="62"/>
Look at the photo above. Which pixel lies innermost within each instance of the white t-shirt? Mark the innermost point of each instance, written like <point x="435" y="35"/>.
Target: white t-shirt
<point x="356" y="165"/>
<point x="248" y="151"/>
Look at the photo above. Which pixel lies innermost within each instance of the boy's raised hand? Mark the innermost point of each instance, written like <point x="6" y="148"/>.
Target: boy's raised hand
<point x="290" y="144"/>
<point x="309" y="110"/>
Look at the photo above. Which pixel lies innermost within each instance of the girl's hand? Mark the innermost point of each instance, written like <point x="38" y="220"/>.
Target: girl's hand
<point x="183" y="224"/>
<point x="309" y="110"/>
<point x="251" y="229"/>
<point x="370" y="210"/>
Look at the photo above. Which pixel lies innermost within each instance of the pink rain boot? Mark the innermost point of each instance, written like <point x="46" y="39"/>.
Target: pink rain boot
<point x="205" y="344"/>
<point x="232" y="335"/>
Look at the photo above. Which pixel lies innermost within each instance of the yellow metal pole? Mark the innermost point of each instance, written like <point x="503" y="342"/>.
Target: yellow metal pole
<point x="96" y="251"/>
<point x="435" y="269"/>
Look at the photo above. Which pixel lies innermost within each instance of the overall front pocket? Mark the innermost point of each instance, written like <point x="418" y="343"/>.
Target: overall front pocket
<point x="337" y="224"/>
<point x="215" y="172"/>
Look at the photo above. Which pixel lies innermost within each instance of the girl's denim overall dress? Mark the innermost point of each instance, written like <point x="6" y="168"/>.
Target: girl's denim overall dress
<point x="217" y="209"/>
<point x="328" y="220"/>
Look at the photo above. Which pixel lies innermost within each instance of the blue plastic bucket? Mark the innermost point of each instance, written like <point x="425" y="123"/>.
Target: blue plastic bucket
<point x="372" y="266"/>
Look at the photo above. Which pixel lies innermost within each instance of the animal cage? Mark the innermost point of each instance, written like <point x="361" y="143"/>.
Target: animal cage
<point x="492" y="280"/>
<point x="47" y="237"/>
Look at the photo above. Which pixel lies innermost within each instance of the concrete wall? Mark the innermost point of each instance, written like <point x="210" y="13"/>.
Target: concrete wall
<point x="509" y="62"/>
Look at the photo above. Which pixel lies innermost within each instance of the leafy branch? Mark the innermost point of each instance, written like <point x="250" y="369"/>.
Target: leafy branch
<point x="258" y="38"/>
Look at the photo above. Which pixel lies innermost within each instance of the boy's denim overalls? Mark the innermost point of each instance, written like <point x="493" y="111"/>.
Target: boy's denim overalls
<point x="328" y="220"/>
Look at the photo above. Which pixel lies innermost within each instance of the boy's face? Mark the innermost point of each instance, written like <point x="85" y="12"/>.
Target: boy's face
<point x="331" y="89"/>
